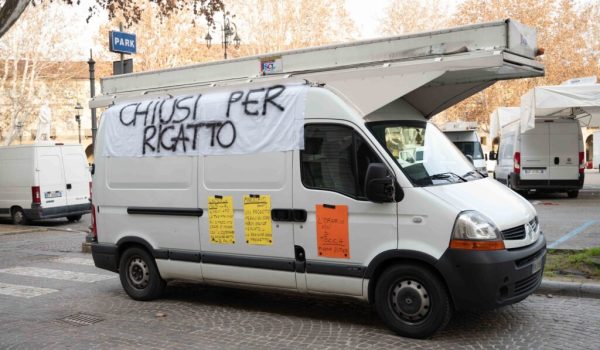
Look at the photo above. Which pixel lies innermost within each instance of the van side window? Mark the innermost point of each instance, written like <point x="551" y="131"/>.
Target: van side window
<point x="335" y="158"/>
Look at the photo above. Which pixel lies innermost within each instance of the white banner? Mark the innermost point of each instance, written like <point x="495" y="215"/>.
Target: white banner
<point x="249" y="120"/>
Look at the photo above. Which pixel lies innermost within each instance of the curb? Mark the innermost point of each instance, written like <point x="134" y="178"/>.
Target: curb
<point x="572" y="289"/>
<point x="86" y="247"/>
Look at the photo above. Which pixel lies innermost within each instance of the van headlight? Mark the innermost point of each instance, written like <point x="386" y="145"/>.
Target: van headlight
<point x="473" y="231"/>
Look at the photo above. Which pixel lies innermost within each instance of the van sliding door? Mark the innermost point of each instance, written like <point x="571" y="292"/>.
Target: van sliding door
<point x="240" y="241"/>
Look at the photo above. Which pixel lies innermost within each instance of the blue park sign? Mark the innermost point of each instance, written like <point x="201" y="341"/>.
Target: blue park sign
<point x="122" y="42"/>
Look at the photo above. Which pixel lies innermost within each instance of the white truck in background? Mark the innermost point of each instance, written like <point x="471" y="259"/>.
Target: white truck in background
<point x="548" y="157"/>
<point x="541" y="143"/>
<point x="44" y="180"/>
<point x="465" y="138"/>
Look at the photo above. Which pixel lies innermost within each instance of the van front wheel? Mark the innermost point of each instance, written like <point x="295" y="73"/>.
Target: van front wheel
<point x="139" y="275"/>
<point x="412" y="301"/>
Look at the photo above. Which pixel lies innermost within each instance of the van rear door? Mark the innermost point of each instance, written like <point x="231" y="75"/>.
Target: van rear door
<point x="535" y="153"/>
<point x="51" y="178"/>
<point x="77" y="176"/>
<point x="564" y="150"/>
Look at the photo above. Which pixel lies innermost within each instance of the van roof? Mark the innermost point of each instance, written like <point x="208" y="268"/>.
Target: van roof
<point x="431" y="71"/>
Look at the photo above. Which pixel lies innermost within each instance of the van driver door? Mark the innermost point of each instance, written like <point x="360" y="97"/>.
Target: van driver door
<point x="343" y="230"/>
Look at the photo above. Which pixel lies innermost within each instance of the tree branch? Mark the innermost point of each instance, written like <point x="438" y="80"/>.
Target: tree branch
<point x="10" y="13"/>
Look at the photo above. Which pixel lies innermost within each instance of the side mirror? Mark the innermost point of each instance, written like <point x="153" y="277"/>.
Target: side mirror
<point x="485" y="156"/>
<point x="379" y="186"/>
<point x="93" y="168"/>
<point x="492" y="155"/>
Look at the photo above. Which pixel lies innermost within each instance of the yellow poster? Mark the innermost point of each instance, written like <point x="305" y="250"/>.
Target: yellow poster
<point x="220" y="220"/>
<point x="257" y="219"/>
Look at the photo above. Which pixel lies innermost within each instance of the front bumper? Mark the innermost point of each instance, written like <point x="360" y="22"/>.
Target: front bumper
<point x="488" y="279"/>
<point x="106" y="256"/>
<point x="38" y="213"/>
<point x="520" y="184"/>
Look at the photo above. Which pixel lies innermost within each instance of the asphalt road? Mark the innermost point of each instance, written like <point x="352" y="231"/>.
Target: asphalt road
<point x="51" y="296"/>
<point x="571" y="223"/>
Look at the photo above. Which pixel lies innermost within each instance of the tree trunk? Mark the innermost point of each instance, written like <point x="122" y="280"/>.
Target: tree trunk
<point x="10" y="13"/>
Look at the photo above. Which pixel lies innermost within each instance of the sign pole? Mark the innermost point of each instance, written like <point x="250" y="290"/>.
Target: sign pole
<point x="122" y="55"/>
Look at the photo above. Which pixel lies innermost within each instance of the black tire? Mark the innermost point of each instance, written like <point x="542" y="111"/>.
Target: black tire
<point x="74" y="218"/>
<point x="412" y="301"/>
<point x="18" y="216"/>
<point x="573" y="194"/>
<point x="139" y="275"/>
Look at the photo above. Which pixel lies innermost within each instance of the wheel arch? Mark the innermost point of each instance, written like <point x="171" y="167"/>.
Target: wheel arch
<point x="391" y="257"/>
<point x="133" y="241"/>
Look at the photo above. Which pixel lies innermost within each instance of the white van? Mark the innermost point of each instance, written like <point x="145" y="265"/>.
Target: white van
<point x="465" y="138"/>
<point x="548" y="157"/>
<point x="320" y="174"/>
<point x="42" y="181"/>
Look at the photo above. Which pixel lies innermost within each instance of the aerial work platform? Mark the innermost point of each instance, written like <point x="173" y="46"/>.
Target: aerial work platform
<point x="431" y="70"/>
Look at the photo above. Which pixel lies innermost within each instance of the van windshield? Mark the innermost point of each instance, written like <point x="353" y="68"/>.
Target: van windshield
<point x="470" y="148"/>
<point x="424" y="153"/>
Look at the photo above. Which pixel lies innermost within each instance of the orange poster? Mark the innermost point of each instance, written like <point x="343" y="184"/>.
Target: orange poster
<point x="332" y="231"/>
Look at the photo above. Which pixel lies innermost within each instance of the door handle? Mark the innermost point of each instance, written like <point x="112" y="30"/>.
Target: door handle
<point x="290" y="215"/>
<point x="69" y="186"/>
<point x="556" y="160"/>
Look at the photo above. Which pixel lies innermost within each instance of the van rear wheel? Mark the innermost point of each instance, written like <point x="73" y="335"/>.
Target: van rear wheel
<point x="412" y="301"/>
<point x="74" y="218"/>
<point x="18" y="217"/>
<point x="139" y="275"/>
<point x="573" y="194"/>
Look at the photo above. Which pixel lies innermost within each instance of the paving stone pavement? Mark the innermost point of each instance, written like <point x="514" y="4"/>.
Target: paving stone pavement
<point x="202" y="317"/>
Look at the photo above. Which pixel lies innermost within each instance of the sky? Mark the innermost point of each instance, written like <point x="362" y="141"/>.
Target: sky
<point x="367" y="14"/>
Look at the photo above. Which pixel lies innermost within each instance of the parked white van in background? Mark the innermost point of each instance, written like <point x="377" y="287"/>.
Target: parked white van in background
<point x="464" y="136"/>
<point x="317" y="171"/>
<point x="42" y="181"/>
<point x="548" y="157"/>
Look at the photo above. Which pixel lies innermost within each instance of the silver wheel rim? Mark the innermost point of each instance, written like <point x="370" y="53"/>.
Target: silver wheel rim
<point x="410" y="301"/>
<point x="19" y="217"/>
<point x="138" y="272"/>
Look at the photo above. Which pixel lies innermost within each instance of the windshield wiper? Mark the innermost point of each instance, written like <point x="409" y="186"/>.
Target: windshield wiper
<point x="473" y="172"/>
<point x="445" y="176"/>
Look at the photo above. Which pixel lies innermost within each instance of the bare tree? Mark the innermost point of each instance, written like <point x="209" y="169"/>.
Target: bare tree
<point x="264" y="26"/>
<point x="569" y="31"/>
<point x="27" y="75"/>
<point x="414" y="16"/>
<point x="10" y="11"/>
<point x="129" y="11"/>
